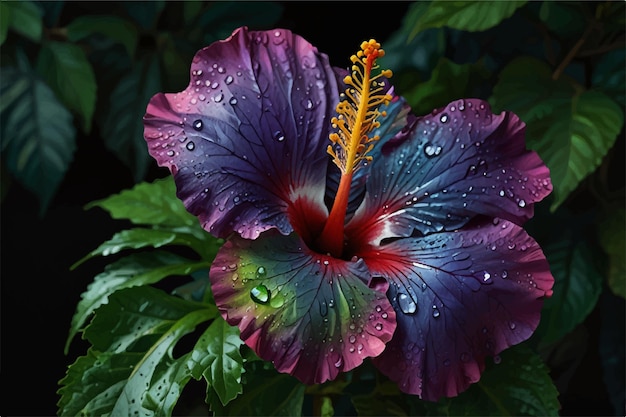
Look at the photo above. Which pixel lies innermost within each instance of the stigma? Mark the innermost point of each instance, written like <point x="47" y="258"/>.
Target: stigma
<point x="357" y="118"/>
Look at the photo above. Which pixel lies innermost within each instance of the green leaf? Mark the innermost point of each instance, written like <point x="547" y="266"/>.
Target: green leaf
<point x="37" y="134"/>
<point x="567" y="19"/>
<point x="123" y="127"/>
<point x="141" y="238"/>
<point x="26" y="19"/>
<point x="134" y="270"/>
<point x="611" y="233"/>
<point x="609" y="75"/>
<point x="65" y="68"/>
<point x="222" y="17"/>
<point x="449" y="81"/>
<point x="216" y="357"/>
<point x="472" y="16"/>
<point x="93" y="382"/>
<point x="145" y="13"/>
<point x="265" y="393"/>
<point x="147" y="203"/>
<point x="5" y="21"/>
<point x="577" y="286"/>
<point x="113" y="27"/>
<point x="520" y="385"/>
<point x="139" y="328"/>
<point x="384" y="400"/>
<point x="571" y="130"/>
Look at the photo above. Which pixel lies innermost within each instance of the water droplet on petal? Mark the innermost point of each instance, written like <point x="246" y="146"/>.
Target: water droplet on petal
<point x="198" y="125"/>
<point x="219" y="97"/>
<point x="443" y="118"/>
<point x="339" y="362"/>
<point x="190" y="146"/>
<point x="378" y="326"/>
<point x="432" y="150"/>
<point x="436" y="312"/>
<point x="486" y="277"/>
<point x="278" y="135"/>
<point x="229" y="80"/>
<point x="260" y="294"/>
<point x="407" y="305"/>
<point x="260" y="272"/>
<point x="170" y="153"/>
<point x="521" y="203"/>
<point x="512" y="325"/>
<point x="505" y="274"/>
<point x="233" y="101"/>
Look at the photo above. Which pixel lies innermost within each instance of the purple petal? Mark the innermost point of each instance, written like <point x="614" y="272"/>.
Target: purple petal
<point x="456" y="163"/>
<point x="459" y="297"/>
<point x="313" y="316"/>
<point x="248" y="136"/>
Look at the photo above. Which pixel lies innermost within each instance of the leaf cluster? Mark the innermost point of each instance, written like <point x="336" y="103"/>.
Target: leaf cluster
<point x="558" y="65"/>
<point x="90" y="68"/>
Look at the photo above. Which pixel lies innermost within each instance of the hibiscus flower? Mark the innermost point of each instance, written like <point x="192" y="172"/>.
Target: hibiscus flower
<point x="354" y="229"/>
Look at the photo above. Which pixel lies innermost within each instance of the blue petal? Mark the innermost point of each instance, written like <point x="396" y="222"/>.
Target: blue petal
<point x="247" y="138"/>
<point x="459" y="297"/>
<point x="459" y="162"/>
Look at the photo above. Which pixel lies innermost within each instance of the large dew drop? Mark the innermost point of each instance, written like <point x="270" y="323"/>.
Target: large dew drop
<point x="260" y="294"/>
<point x="407" y="305"/>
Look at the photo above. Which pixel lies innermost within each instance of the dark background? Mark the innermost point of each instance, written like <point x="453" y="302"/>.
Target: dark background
<point x="40" y="293"/>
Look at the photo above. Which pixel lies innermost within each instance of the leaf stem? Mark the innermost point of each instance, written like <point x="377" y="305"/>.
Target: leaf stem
<point x="573" y="52"/>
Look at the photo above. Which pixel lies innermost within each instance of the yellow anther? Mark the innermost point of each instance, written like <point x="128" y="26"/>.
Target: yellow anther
<point x="358" y="111"/>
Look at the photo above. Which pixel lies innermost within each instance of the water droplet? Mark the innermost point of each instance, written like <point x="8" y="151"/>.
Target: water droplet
<point x="384" y="315"/>
<point x="502" y="193"/>
<point x="352" y="338"/>
<point x="260" y="272"/>
<point x="323" y="308"/>
<point x="260" y="294"/>
<point x="436" y="312"/>
<point x="521" y="203"/>
<point x="431" y="150"/>
<point x="170" y="153"/>
<point x="407" y="305"/>
<point x="339" y="362"/>
<point x="233" y="101"/>
<point x="219" y="97"/>
<point x="221" y="70"/>
<point x="190" y="146"/>
<point x="229" y="80"/>
<point x="512" y="325"/>
<point x="378" y="326"/>
<point x="505" y="274"/>
<point x="277" y="300"/>
<point x="308" y="104"/>
<point x="198" y="125"/>
<point x="278" y="135"/>
<point x="443" y="118"/>
<point x="486" y="277"/>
